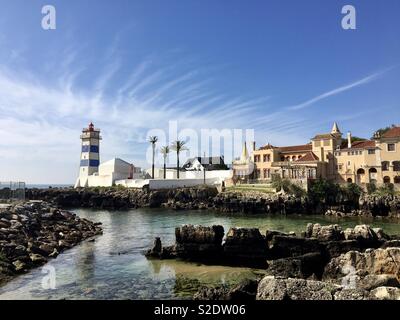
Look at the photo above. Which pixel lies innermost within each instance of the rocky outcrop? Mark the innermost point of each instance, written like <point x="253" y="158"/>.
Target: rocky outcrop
<point x="243" y="292"/>
<point x="245" y="246"/>
<point x="272" y="288"/>
<point x="360" y="264"/>
<point x="34" y="232"/>
<point x="198" y="242"/>
<point x="380" y="205"/>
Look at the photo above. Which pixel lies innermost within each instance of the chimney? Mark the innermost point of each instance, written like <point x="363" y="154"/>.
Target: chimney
<point x="349" y="140"/>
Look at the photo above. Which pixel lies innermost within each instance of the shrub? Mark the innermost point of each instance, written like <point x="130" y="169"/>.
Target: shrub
<point x="296" y="190"/>
<point x="386" y="189"/>
<point x="324" y="190"/>
<point x="352" y="192"/>
<point x="371" y="188"/>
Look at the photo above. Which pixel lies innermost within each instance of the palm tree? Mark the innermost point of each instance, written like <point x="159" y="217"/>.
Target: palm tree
<point x="178" y="146"/>
<point x="153" y="140"/>
<point x="165" y="151"/>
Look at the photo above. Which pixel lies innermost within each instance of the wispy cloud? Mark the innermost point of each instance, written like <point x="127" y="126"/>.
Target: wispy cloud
<point x="339" y="90"/>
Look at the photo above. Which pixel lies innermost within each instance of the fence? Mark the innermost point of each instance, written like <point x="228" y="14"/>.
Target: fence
<point x="12" y="191"/>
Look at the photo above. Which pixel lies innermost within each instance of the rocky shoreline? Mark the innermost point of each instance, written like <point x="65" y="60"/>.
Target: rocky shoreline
<point x="323" y="263"/>
<point x="34" y="232"/>
<point x="210" y="198"/>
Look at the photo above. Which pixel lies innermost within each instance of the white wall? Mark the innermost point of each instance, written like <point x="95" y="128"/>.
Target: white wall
<point x="181" y="183"/>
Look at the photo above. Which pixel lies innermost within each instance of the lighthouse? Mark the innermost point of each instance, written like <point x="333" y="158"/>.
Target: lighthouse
<point x="90" y="156"/>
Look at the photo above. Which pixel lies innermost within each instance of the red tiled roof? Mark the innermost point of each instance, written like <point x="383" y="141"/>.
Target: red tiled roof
<point x="300" y="148"/>
<point x="310" y="156"/>
<point x="366" y="144"/>
<point x="392" y="133"/>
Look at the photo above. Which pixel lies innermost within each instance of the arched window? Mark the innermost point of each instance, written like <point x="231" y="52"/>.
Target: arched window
<point x="350" y="180"/>
<point x="385" y="166"/>
<point x="386" y="180"/>
<point x="360" y="171"/>
<point x="396" y="165"/>
<point x="397" y="179"/>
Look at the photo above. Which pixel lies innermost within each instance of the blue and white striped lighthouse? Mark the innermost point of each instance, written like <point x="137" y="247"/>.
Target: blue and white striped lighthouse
<point x="90" y="156"/>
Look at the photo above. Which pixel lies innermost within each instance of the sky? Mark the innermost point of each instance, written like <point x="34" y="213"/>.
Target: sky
<point x="285" y="69"/>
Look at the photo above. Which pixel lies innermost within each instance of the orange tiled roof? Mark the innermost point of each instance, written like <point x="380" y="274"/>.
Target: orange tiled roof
<point x="366" y="144"/>
<point x="310" y="156"/>
<point x="392" y="133"/>
<point x="299" y="148"/>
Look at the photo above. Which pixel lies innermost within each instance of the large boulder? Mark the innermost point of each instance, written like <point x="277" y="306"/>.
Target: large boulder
<point x="271" y="288"/>
<point x="385" y="293"/>
<point x="305" y="266"/>
<point x="371" y="262"/>
<point x="324" y="233"/>
<point x="199" y="242"/>
<point x="362" y="233"/>
<point x="290" y="246"/>
<point x="245" y="246"/>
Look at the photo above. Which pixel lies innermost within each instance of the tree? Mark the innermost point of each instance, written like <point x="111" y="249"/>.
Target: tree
<point x="178" y="146"/>
<point x="153" y="140"/>
<point x="165" y="151"/>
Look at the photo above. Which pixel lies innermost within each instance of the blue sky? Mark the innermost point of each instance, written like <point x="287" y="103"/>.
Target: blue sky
<point x="283" y="68"/>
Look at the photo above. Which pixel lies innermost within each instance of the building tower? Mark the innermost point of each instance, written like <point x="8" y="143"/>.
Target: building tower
<point x="90" y="157"/>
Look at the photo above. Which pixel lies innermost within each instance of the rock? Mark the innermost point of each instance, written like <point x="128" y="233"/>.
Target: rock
<point x="390" y="244"/>
<point x="156" y="250"/>
<point x="271" y="288"/>
<point x="385" y="293"/>
<point x="37" y="259"/>
<point x="199" y="243"/>
<point x="289" y="246"/>
<point x="362" y="233"/>
<point x="325" y="233"/>
<point x="20" y="266"/>
<point x="303" y="266"/>
<point x="243" y="292"/>
<point x="381" y="235"/>
<point x="199" y="234"/>
<point x="371" y="262"/>
<point x="373" y="281"/>
<point x="352" y="294"/>
<point x="245" y="247"/>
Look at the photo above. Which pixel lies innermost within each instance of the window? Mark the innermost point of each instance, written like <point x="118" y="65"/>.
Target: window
<point x="396" y="165"/>
<point x="349" y="163"/>
<point x="391" y="147"/>
<point x="385" y="166"/>
<point x="397" y="179"/>
<point x="258" y="173"/>
<point x="371" y="151"/>
<point x="266" y="158"/>
<point x="349" y="153"/>
<point x="257" y="158"/>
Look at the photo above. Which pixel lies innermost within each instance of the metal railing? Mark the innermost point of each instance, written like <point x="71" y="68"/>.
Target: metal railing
<point x="12" y="191"/>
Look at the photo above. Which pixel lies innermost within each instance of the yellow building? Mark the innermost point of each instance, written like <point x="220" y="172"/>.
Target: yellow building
<point x="329" y="156"/>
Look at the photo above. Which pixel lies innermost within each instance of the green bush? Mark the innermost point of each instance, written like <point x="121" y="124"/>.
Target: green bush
<point x="297" y="190"/>
<point x="371" y="188"/>
<point x="386" y="189"/>
<point x="323" y="190"/>
<point x="352" y="192"/>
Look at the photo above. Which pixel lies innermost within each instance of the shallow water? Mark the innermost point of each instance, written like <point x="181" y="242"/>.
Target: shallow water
<point x="113" y="266"/>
